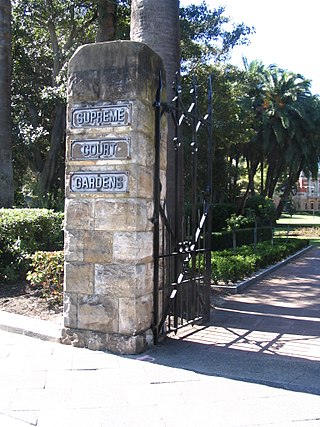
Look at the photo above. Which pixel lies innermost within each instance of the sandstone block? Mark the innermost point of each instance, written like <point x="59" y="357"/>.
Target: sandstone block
<point x="135" y="314"/>
<point x="79" y="277"/>
<point x="70" y="310"/>
<point x="98" y="313"/>
<point x="124" y="215"/>
<point x="122" y="344"/>
<point x="108" y="70"/>
<point x="140" y="181"/>
<point x="123" y="280"/>
<point x="79" y="214"/>
<point x="73" y="245"/>
<point x="97" y="247"/>
<point x="83" y="338"/>
<point x="135" y="247"/>
<point x="109" y="190"/>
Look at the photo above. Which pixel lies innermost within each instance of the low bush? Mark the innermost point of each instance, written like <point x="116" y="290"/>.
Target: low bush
<point x="231" y="268"/>
<point x="245" y="236"/>
<point x="22" y="233"/>
<point x="228" y="266"/>
<point x="220" y="213"/>
<point x="46" y="274"/>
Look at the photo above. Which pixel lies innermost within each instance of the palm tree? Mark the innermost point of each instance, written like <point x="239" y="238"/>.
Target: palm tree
<point x="106" y="20"/>
<point x="6" y="171"/>
<point x="286" y="124"/>
<point x="252" y="149"/>
<point x="286" y="128"/>
<point x="156" y="23"/>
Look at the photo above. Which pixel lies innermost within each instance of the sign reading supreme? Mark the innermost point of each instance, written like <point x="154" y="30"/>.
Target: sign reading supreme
<point x="104" y="115"/>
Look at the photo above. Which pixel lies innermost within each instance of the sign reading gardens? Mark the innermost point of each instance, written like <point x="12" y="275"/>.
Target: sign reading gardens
<point x="108" y="148"/>
<point x="108" y="182"/>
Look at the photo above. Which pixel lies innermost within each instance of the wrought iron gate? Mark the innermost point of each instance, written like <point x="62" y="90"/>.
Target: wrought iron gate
<point x="182" y="238"/>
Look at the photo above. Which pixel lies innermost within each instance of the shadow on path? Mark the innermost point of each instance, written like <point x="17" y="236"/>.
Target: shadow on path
<point x="270" y="334"/>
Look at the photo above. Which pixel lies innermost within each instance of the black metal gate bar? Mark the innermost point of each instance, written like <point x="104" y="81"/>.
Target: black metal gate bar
<point x="156" y="197"/>
<point x="182" y="257"/>
<point x="208" y="195"/>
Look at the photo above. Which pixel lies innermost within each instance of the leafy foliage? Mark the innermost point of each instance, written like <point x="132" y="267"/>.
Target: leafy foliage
<point x="23" y="232"/>
<point x="46" y="274"/>
<point x="244" y="236"/>
<point x="208" y="35"/>
<point x="266" y="122"/>
<point x="285" y="118"/>
<point x="220" y="214"/>
<point x="228" y="266"/>
<point x="262" y="208"/>
<point x="236" y="221"/>
<point x="45" y="36"/>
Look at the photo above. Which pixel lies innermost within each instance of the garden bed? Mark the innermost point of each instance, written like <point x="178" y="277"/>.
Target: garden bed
<point x="238" y="287"/>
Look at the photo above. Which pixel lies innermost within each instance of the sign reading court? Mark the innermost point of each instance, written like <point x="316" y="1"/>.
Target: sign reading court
<point x="101" y="149"/>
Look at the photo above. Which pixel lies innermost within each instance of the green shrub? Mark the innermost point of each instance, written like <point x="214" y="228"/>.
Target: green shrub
<point x="22" y="233"/>
<point x="231" y="268"/>
<point x="220" y="213"/>
<point x="228" y="266"/>
<point x="46" y="274"/>
<point x="236" y="221"/>
<point x="223" y="240"/>
<point x="262" y="208"/>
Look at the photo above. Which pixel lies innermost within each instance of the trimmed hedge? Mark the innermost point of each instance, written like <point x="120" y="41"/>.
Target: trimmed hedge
<point x="228" y="266"/>
<point x="245" y="236"/>
<point x="22" y="233"/>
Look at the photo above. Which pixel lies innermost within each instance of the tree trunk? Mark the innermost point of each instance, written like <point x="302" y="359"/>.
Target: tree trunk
<point x="292" y="179"/>
<point x="252" y="169"/>
<point x="156" y="23"/>
<point x="107" y="10"/>
<point x="276" y="173"/>
<point x="6" y="170"/>
<point x="46" y="176"/>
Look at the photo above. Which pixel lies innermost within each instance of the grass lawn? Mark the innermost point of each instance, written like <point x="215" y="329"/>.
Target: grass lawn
<point x="314" y="241"/>
<point x="299" y="219"/>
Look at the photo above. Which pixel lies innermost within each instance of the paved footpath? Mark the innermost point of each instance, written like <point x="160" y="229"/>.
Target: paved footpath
<point x="256" y="364"/>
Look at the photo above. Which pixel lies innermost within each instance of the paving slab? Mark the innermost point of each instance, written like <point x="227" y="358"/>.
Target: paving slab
<point x="268" y="334"/>
<point x="255" y="364"/>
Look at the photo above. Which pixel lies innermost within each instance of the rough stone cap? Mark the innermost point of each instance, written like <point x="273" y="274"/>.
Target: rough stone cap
<point x="107" y="70"/>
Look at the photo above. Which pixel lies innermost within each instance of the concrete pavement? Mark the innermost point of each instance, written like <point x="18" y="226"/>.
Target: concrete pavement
<point x="256" y="364"/>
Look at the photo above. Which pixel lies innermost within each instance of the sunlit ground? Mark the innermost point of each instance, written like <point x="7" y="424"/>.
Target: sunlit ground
<point x="299" y="219"/>
<point x="279" y="316"/>
<point x="245" y="339"/>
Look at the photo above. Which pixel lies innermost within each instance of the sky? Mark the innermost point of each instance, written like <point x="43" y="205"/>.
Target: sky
<point x="287" y="33"/>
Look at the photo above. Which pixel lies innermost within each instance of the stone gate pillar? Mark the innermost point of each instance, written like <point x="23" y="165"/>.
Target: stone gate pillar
<point x="109" y="196"/>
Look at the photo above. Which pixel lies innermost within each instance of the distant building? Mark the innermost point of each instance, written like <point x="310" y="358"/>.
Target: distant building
<point x="307" y="197"/>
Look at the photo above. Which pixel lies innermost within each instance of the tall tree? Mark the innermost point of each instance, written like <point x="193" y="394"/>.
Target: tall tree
<point x="286" y="125"/>
<point x="208" y="36"/>
<point x="290" y="130"/>
<point x="6" y="170"/>
<point x="107" y="13"/>
<point x="46" y="33"/>
<point x="157" y="24"/>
